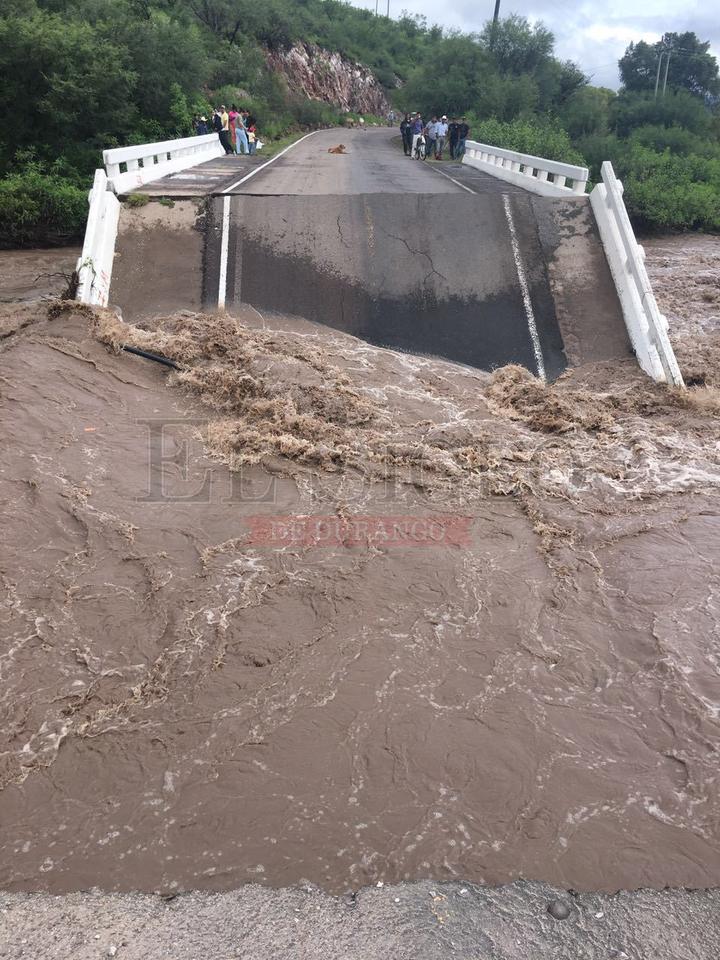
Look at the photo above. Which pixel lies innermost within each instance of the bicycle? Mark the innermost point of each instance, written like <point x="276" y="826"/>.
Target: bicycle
<point x="420" y="148"/>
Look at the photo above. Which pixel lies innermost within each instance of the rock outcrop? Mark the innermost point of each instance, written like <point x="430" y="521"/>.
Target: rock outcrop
<point x="322" y="75"/>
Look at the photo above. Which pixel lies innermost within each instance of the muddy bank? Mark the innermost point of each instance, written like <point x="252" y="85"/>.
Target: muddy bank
<point x="421" y="921"/>
<point x="436" y="623"/>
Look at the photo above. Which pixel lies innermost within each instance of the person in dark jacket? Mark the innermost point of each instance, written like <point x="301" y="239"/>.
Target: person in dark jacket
<point x="201" y="126"/>
<point x="453" y="136"/>
<point x="463" y="134"/>
<point x="406" y="134"/>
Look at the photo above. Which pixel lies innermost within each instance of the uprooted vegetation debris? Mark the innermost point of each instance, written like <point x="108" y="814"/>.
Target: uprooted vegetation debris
<point x="290" y="402"/>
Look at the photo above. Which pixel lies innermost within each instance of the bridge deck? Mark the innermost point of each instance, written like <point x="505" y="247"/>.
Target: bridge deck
<point x="212" y="176"/>
<point x="436" y="258"/>
<point x="216" y="175"/>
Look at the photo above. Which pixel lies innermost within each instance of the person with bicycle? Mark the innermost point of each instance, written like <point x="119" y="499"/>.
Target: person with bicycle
<point x="430" y="135"/>
<point x="417" y="137"/>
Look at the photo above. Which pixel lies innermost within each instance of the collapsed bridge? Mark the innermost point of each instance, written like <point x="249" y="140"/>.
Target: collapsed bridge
<point x="502" y="258"/>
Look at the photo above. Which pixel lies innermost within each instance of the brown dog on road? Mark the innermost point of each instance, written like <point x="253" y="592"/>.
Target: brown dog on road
<point x="340" y="148"/>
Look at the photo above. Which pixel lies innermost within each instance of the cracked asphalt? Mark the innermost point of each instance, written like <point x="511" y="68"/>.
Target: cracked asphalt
<point x="380" y="246"/>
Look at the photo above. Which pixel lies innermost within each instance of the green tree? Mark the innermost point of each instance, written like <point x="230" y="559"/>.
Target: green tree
<point x="630" y="110"/>
<point x="64" y="86"/>
<point x="691" y="66"/>
<point x="517" y="47"/>
<point x="587" y="111"/>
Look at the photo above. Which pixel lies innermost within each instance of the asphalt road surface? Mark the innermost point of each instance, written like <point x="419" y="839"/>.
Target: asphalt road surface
<point x="373" y="163"/>
<point x="390" y="249"/>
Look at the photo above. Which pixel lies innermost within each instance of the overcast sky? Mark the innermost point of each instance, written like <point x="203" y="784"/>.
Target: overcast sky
<point x="592" y="34"/>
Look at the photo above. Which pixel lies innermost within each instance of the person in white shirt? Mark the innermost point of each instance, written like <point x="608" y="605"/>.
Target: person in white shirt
<point x="441" y="129"/>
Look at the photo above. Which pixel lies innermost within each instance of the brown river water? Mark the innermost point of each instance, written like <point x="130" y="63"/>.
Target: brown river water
<point x="434" y="622"/>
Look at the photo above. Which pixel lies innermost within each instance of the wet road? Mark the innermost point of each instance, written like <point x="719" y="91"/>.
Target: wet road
<point x="373" y="163"/>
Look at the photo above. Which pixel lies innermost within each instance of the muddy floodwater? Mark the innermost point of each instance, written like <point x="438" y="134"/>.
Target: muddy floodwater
<point x="306" y="609"/>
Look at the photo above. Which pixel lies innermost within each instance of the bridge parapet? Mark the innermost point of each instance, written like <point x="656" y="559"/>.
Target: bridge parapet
<point x="546" y="177"/>
<point x="646" y="326"/>
<point x="151" y="161"/>
<point x="94" y="268"/>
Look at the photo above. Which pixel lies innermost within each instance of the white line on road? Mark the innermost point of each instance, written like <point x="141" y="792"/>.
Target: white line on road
<point x="524" y="287"/>
<point x="456" y="182"/>
<point x="222" y="285"/>
<point x="256" y="171"/>
<point x="532" y="325"/>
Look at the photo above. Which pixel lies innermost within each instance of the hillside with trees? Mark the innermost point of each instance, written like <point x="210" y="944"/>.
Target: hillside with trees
<point x="83" y="75"/>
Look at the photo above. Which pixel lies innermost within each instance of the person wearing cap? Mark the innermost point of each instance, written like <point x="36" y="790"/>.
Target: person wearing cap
<point x="441" y="129"/>
<point x="201" y="126"/>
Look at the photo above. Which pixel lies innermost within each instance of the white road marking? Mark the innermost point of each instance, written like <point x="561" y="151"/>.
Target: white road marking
<point x="532" y="325"/>
<point x="256" y="171"/>
<point x="456" y="182"/>
<point x="222" y="285"/>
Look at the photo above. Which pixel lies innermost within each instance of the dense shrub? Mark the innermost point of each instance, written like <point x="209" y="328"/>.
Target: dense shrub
<point x="538" y="136"/>
<point x="40" y="208"/>
<point x="664" y="190"/>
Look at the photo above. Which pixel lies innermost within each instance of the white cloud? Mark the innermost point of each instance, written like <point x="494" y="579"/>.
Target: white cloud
<point x="619" y="34"/>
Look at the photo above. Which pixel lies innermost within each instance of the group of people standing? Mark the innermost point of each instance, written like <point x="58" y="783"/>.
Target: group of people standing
<point x="237" y="129"/>
<point x="437" y="133"/>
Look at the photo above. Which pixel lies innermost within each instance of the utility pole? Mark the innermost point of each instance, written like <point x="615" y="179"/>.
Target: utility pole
<point x="657" y="75"/>
<point x="388" y="10"/>
<point x="495" y="19"/>
<point x="667" y="65"/>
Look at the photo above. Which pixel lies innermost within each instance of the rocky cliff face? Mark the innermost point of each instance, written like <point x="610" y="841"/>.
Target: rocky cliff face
<point x="322" y="75"/>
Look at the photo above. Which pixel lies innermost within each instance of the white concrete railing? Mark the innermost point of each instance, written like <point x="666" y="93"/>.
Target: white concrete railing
<point x="150" y="161"/>
<point x="646" y="325"/>
<point x="96" y="260"/>
<point x="546" y="177"/>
